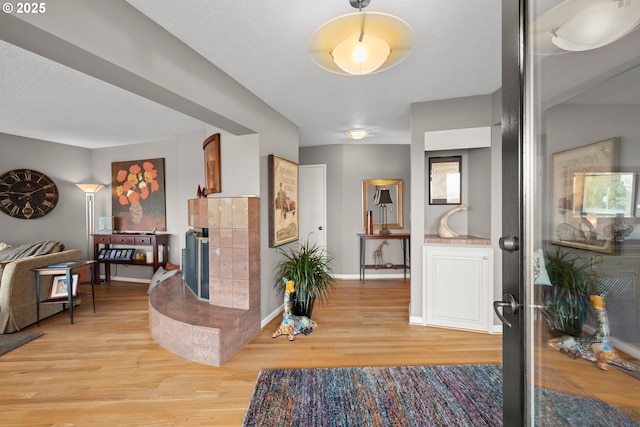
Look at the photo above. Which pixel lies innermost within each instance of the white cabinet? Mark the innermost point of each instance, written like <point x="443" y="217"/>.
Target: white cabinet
<point x="458" y="286"/>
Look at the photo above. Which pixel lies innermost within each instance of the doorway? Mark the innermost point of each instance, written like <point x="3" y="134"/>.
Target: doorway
<point x="312" y="198"/>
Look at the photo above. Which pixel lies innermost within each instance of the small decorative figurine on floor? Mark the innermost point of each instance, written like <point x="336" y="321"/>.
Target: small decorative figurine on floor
<point x="596" y="348"/>
<point x="293" y="325"/>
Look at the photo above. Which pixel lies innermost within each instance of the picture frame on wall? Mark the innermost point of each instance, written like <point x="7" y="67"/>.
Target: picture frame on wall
<point x="283" y="201"/>
<point x="138" y="200"/>
<point x="576" y="223"/>
<point x="60" y="287"/>
<point x="445" y="180"/>
<point x="211" y="148"/>
<point x="370" y="188"/>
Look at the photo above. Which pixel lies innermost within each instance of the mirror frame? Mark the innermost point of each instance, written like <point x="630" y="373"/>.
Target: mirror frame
<point x="395" y="187"/>
<point x="439" y="178"/>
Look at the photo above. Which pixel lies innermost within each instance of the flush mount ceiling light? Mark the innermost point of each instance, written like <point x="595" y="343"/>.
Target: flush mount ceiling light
<point x="357" y="133"/>
<point x="361" y="43"/>
<point x="579" y="25"/>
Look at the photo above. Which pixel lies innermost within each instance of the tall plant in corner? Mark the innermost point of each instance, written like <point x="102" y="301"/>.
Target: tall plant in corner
<point x="309" y="266"/>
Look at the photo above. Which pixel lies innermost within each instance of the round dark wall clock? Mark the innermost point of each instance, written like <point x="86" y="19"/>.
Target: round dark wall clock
<point x="27" y="194"/>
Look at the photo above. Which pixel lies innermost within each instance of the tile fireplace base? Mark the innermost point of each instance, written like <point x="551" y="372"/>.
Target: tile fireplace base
<point x="195" y="329"/>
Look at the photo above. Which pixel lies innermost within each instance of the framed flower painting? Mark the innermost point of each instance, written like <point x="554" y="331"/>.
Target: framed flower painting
<point x="138" y="195"/>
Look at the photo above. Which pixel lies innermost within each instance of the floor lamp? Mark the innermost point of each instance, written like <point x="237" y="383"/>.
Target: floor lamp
<point x="90" y="191"/>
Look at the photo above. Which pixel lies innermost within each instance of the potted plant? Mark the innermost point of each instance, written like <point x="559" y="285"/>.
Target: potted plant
<point x="566" y="303"/>
<point x="309" y="266"/>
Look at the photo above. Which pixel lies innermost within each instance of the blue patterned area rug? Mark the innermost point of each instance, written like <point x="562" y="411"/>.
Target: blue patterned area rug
<point x="446" y="395"/>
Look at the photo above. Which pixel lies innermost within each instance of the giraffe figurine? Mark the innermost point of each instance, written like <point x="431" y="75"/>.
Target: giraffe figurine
<point x="596" y="348"/>
<point x="377" y="254"/>
<point x="292" y="325"/>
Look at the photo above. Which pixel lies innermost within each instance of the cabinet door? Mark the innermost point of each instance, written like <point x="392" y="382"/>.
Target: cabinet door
<point x="458" y="286"/>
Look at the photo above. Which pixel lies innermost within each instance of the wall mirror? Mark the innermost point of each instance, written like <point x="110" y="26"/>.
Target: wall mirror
<point x="394" y="209"/>
<point x="445" y="185"/>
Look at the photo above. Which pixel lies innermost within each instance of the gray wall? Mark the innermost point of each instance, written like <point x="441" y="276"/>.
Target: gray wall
<point x="66" y="165"/>
<point x="178" y="78"/>
<point x="184" y="171"/>
<point x="479" y="172"/>
<point x="476" y="194"/>
<point x="570" y="126"/>
<point x="481" y="189"/>
<point x="347" y="167"/>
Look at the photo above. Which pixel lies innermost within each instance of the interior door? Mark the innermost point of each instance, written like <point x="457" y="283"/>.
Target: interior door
<point x="312" y="200"/>
<point x="561" y="108"/>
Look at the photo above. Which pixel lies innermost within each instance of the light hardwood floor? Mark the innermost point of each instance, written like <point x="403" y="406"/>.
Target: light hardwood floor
<point x="107" y="370"/>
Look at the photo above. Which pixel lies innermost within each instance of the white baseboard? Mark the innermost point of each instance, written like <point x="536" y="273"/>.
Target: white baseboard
<point x="271" y="316"/>
<point x="415" y="320"/>
<point x="371" y="276"/>
<point x="618" y="344"/>
<point x="496" y="329"/>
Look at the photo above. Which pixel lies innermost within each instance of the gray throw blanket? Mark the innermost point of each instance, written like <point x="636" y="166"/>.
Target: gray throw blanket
<point x="12" y="253"/>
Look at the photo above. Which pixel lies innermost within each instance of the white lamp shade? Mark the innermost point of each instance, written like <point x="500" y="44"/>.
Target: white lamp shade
<point x="357" y="133"/>
<point x="597" y="26"/>
<point x="361" y="57"/>
<point x="345" y="30"/>
<point x="90" y="188"/>
<point x="579" y="25"/>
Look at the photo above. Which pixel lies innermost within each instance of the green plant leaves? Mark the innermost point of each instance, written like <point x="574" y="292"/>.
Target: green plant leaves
<point x="567" y="303"/>
<point x="309" y="266"/>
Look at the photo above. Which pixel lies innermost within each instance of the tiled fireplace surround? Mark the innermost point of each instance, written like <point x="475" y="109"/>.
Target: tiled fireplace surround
<point x="212" y="331"/>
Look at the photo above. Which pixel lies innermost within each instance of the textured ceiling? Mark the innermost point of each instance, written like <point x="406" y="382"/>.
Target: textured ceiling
<point x="264" y="46"/>
<point x="45" y="100"/>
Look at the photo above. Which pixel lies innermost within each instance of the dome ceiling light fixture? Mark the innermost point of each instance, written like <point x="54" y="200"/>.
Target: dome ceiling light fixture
<point x="357" y="133"/>
<point x="361" y="43"/>
<point x="579" y="25"/>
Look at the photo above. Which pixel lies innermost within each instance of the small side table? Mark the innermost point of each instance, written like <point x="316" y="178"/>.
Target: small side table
<point x="68" y="270"/>
<point x="405" y="240"/>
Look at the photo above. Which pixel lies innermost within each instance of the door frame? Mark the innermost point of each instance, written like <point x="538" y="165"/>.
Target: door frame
<point x="513" y="283"/>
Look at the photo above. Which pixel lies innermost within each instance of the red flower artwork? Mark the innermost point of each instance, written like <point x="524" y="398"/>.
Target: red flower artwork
<point x="136" y="183"/>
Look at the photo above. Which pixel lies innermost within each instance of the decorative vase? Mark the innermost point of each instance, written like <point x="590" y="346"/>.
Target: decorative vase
<point x="136" y="212"/>
<point x="298" y="310"/>
<point x="618" y="231"/>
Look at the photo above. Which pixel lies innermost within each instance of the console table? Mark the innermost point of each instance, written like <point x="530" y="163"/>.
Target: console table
<point x="67" y="269"/>
<point x="406" y="251"/>
<point x="106" y="241"/>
